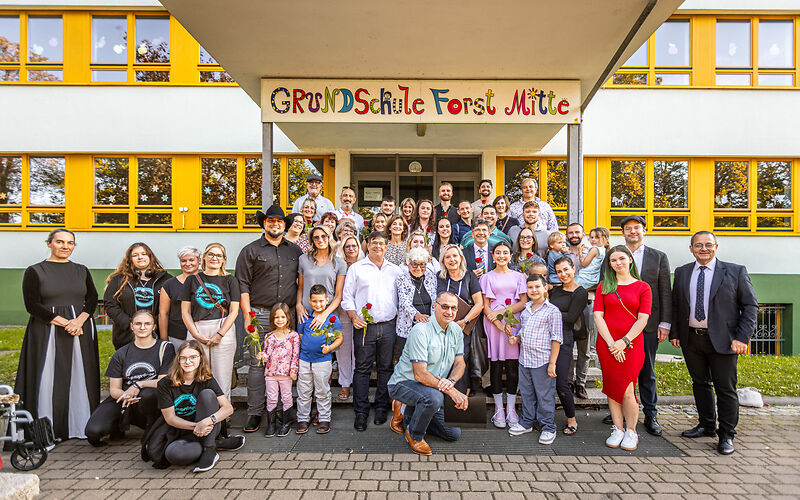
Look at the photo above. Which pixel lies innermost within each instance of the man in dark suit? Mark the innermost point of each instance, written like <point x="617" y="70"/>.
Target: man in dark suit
<point x="653" y="267"/>
<point x="480" y="249"/>
<point x="714" y="314"/>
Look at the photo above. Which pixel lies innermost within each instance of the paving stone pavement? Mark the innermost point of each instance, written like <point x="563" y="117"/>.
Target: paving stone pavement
<point x="765" y="465"/>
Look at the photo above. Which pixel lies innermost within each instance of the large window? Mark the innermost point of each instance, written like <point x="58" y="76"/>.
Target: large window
<point x="753" y="195"/>
<point x="209" y="69"/>
<point x="32" y="191"/>
<point x="549" y="174"/>
<point x="230" y="191"/>
<point x="670" y="62"/>
<point x="116" y="60"/>
<point x="115" y="181"/>
<point x="43" y="48"/>
<point x="657" y="190"/>
<point x="299" y="169"/>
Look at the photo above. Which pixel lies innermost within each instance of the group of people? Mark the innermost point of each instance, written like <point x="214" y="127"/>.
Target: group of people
<point x="444" y="300"/>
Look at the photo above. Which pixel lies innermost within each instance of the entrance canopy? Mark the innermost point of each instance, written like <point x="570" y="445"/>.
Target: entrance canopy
<point x="579" y="40"/>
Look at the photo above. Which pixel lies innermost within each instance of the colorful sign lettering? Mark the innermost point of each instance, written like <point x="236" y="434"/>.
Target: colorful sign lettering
<point x="420" y="101"/>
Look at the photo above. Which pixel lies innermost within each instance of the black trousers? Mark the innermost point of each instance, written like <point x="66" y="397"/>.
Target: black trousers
<point x="105" y="420"/>
<point x="563" y="363"/>
<point x="373" y="344"/>
<point x="464" y="382"/>
<point x="511" y="367"/>
<point x="187" y="450"/>
<point x="706" y="367"/>
<point x="647" y="377"/>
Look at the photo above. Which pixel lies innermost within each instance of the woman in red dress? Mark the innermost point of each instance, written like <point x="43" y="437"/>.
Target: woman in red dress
<point x="621" y="308"/>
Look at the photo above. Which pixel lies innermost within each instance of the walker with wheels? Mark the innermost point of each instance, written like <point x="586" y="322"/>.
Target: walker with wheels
<point x="27" y="455"/>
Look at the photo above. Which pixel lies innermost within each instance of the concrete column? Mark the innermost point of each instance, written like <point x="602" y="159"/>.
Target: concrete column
<point x="342" y="158"/>
<point x="489" y="168"/>
<point x="266" y="165"/>
<point x="574" y="174"/>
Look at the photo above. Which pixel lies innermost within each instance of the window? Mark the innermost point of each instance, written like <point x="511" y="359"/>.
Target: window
<point x="9" y="48"/>
<point x="673" y="44"/>
<point x="733" y="43"/>
<point x="152" y="49"/>
<point x="517" y="171"/>
<point x="670" y="63"/>
<point x="218" y="190"/>
<point x="110" y="39"/>
<point x="31" y="190"/>
<point x="154" y="191"/>
<point x="657" y="190"/>
<point x="556" y="189"/>
<point x="552" y="182"/>
<point x="114" y="181"/>
<point x="210" y="70"/>
<point x="775" y="52"/>
<point x="753" y="195"/>
<point x="299" y="169"/>
<point x="252" y="187"/>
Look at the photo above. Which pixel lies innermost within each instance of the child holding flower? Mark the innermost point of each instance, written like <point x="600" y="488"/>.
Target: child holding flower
<point x="315" y="364"/>
<point x="280" y="357"/>
<point x="504" y="294"/>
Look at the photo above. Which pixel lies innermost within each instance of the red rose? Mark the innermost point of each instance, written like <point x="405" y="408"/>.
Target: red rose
<point x="333" y="319"/>
<point x="369" y="305"/>
<point x="478" y="260"/>
<point x="251" y="328"/>
<point x="529" y="255"/>
<point x="252" y="314"/>
<point x="429" y="230"/>
<point x="508" y="302"/>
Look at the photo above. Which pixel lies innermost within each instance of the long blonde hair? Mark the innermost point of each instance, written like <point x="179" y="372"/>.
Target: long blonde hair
<point x="222" y="270"/>
<point x="462" y="268"/>
<point x="203" y="372"/>
<point x="331" y="243"/>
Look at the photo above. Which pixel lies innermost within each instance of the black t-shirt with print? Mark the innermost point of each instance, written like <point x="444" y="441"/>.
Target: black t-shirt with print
<point x="132" y="364"/>
<point x="224" y="289"/>
<point x="184" y="397"/>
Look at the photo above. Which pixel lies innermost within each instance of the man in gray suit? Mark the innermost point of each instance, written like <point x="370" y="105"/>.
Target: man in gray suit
<point x="714" y="314"/>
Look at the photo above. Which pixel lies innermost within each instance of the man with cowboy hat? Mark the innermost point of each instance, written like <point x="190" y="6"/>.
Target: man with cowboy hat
<point x="267" y="273"/>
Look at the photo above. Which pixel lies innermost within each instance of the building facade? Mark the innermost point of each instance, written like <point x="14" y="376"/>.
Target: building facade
<point x="119" y="125"/>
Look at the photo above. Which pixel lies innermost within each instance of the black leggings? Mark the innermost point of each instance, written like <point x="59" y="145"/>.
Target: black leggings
<point x="563" y="363"/>
<point x="187" y="450"/>
<point x="105" y="420"/>
<point x="511" y="367"/>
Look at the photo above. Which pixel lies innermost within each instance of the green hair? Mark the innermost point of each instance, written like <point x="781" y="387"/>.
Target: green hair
<point x="609" y="275"/>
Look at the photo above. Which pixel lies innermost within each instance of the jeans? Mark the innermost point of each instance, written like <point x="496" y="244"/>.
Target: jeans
<point x="312" y="378"/>
<point x="538" y="392"/>
<point x="562" y="379"/>
<point x="424" y="410"/>
<point x="464" y="383"/>
<point x="256" y="385"/>
<point x="647" y="376"/>
<point x="345" y="356"/>
<point x="187" y="450"/>
<point x="220" y="356"/>
<point x="580" y="368"/>
<point x="373" y="344"/>
<point x="105" y="419"/>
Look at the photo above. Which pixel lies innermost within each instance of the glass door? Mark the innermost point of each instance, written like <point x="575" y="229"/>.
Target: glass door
<point x="370" y="190"/>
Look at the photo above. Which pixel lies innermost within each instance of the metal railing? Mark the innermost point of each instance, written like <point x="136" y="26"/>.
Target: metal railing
<point x="768" y="337"/>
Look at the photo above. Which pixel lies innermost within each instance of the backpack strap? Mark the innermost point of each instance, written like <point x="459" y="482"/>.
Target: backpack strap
<point x="161" y="350"/>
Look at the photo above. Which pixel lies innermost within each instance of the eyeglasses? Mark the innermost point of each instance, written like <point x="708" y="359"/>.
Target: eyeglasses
<point x="351" y="247"/>
<point x="526" y="238"/>
<point x="418" y="264"/>
<point x="189" y="359"/>
<point x="700" y="246"/>
<point x="448" y="308"/>
<point x="215" y="256"/>
<point x="320" y="237"/>
<point x="147" y="324"/>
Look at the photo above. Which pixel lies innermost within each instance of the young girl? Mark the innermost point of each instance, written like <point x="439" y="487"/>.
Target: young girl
<point x="589" y="275"/>
<point x="557" y="247"/>
<point x="280" y="356"/>
<point x="541" y="337"/>
<point x="502" y="288"/>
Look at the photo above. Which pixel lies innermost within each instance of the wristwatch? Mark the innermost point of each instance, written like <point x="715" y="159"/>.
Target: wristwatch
<point x="213" y="418"/>
<point x="451" y="380"/>
<point x="136" y="384"/>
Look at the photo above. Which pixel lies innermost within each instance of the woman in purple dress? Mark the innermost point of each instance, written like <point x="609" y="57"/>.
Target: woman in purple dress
<point x="502" y="289"/>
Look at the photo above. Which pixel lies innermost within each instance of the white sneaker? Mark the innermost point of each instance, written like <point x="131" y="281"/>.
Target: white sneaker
<point x="511" y="416"/>
<point x="630" y="441"/>
<point x="516" y="429"/>
<point x="499" y="419"/>
<point x="547" y="437"/>
<point x="615" y="438"/>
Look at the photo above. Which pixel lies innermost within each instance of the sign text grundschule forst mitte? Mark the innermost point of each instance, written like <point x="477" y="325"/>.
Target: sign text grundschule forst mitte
<point x="420" y="101"/>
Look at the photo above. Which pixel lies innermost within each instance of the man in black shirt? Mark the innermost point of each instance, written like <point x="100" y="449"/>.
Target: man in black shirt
<point x="444" y="208"/>
<point x="267" y="273"/>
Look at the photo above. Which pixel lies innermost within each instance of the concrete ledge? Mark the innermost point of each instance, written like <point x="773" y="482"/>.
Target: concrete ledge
<point x="18" y="486"/>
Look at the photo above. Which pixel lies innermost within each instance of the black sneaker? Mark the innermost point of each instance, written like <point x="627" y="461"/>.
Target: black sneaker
<point x="207" y="461"/>
<point x="230" y="443"/>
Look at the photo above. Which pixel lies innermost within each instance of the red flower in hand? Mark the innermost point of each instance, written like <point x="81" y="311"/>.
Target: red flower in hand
<point x="252" y="314"/>
<point x="429" y="230"/>
<point x="478" y="260"/>
<point x="251" y="328"/>
<point x="333" y="319"/>
<point x="369" y="305"/>
<point x="529" y="255"/>
<point x="508" y="302"/>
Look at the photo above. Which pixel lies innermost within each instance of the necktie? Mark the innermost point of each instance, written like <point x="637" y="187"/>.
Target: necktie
<point x="699" y="309"/>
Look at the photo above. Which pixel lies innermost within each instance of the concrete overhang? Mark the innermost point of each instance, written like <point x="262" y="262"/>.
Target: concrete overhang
<point x="583" y="40"/>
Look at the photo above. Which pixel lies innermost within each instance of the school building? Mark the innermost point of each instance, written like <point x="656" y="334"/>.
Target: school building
<point x="130" y="120"/>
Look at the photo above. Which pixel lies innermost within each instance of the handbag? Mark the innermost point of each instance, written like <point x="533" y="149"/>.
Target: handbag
<point x="463" y="309"/>
<point x="211" y="297"/>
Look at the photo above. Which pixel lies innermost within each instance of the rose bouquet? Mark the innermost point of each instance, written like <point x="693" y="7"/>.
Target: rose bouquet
<point x="328" y="331"/>
<point x="252" y="338"/>
<point x="507" y="318"/>
<point x="525" y="263"/>
<point x="368" y="318"/>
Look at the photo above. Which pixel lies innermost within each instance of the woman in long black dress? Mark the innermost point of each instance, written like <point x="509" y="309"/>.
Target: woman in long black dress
<point x="59" y="374"/>
<point x="133" y="286"/>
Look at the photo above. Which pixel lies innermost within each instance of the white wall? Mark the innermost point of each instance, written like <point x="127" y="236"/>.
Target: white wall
<point x="104" y="250"/>
<point x="691" y="122"/>
<point x="66" y="119"/>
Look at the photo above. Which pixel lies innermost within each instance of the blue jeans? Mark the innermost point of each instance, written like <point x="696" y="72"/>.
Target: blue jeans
<point x="424" y="410"/>
<point x="538" y="392"/>
<point x="374" y="346"/>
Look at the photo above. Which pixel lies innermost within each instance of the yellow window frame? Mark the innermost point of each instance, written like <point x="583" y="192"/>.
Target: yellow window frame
<point x="25" y="207"/>
<point x="24" y="66"/>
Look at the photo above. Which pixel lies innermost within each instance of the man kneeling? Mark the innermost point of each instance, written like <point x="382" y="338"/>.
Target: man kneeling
<point x="431" y="363"/>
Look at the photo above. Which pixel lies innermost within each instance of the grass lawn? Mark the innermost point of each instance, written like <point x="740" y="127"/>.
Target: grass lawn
<point x="11" y="343"/>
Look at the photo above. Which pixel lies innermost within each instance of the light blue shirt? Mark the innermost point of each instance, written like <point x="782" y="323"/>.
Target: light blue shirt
<point x="428" y="343"/>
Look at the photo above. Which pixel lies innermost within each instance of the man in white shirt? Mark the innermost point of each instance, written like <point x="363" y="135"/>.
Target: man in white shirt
<point x="347" y="199"/>
<point x="314" y="187"/>
<point x="547" y="219"/>
<point x="370" y="290"/>
<point x="485" y="190"/>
